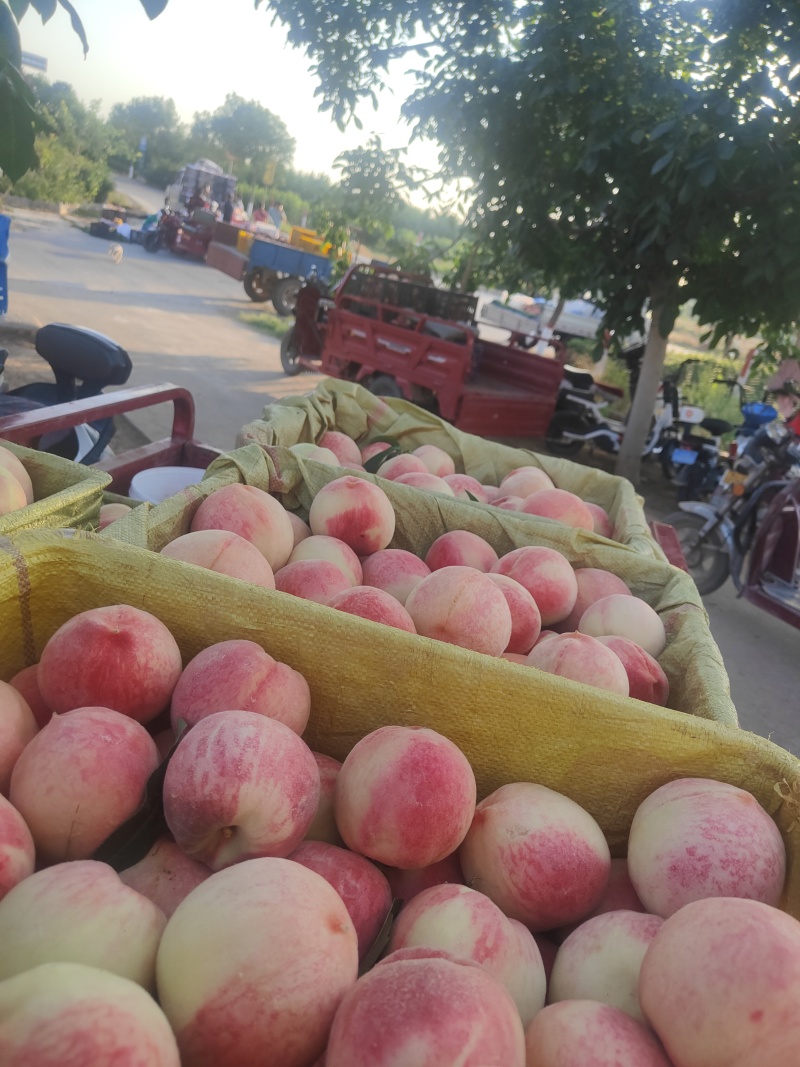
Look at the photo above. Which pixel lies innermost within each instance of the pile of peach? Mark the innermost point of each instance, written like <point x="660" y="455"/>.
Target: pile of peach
<point x="595" y="630"/>
<point x="525" y="489"/>
<point x="237" y="939"/>
<point x="16" y="490"/>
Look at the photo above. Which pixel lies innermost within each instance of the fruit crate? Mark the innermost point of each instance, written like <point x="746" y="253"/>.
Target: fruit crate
<point x="698" y="682"/>
<point x="66" y="494"/>
<point x="605" y="754"/>
<point x="353" y="410"/>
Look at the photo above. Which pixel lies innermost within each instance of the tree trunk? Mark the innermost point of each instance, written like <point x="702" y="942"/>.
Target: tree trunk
<point x="559" y="308"/>
<point x="640" y="417"/>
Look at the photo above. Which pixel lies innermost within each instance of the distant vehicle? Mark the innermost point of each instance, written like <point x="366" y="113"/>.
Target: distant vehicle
<point x="521" y="314"/>
<point x="194" y="178"/>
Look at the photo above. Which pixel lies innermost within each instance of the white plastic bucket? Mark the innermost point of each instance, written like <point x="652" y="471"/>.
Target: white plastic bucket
<point x="157" y="483"/>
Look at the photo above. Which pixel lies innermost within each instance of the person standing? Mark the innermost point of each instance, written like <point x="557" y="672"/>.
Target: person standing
<point x="227" y="209"/>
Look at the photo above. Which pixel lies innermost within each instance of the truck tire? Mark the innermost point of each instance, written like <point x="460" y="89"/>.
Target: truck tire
<point x="284" y="295"/>
<point x="258" y="285"/>
<point x="384" y="385"/>
<point x="708" y="558"/>
<point x="289" y="354"/>
<point x="561" y="423"/>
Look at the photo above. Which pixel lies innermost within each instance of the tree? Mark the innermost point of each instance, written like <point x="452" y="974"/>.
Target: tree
<point x="371" y="184"/>
<point x="645" y="152"/>
<point x="244" y="130"/>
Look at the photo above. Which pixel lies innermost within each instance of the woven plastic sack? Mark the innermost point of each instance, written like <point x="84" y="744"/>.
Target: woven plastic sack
<point x="693" y="663"/>
<point x="606" y="754"/>
<point x="66" y="494"/>
<point x="345" y="406"/>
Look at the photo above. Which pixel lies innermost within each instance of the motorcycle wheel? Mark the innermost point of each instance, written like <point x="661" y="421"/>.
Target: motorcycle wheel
<point x="561" y="423"/>
<point x="258" y="286"/>
<point x="289" y="354"/>
<point x="384" y="385"/>
<point x="284" y="296"/>
<point x="151" y="242"/>
<point x="707" y="558"/>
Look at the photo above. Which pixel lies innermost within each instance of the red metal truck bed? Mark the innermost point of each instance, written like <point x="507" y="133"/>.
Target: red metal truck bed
<point x="511" y="394"/>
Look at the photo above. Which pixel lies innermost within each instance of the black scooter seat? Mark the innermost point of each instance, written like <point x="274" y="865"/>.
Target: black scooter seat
<point x="716" y="427"/>
<point x="76" y="352"/>
<point x="578" y="379"/>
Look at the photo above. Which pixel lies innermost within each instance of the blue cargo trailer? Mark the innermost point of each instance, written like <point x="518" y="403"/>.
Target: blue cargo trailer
<point x="275" y="271"/>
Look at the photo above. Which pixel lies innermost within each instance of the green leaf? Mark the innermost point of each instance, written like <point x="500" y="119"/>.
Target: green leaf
<point x="9" y="40"/>
<point x="17" y="117"/>
<point x="707" y="174"/>
<point x="46" y="8"/>
<point x="374" y="462"/>
<point x="685" y="193"/>
<point x="638" y="136"/>
<point x="661" y="129"/>
<point x="77" y="25"/>
<point x="474" y="499"/>
<point x="726" y="149"/>
<point x="664" y="161"/>
<point x="19" y="7"/>
<point x="155" y="7"/>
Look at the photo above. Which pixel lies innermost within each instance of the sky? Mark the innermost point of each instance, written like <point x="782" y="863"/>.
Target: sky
<point x="196" y="52"/>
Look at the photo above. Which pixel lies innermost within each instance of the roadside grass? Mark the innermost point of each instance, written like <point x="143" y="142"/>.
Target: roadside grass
<point x="266" y="321"/>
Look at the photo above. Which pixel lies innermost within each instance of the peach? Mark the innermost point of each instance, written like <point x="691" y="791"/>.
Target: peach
<point x="509" y="503"/>
<point x="353" y="466"/>
<point x="694" y="838"/>
<point x="240" y="785"/>
<point x="576" y="1033"/>
<point x="356" y="511"/>
<point x="460" y="548"/>
<point x="374" y="448"/>
<point x="406" y="884"/>
<point x="16" y="467"/>
<point x="436" y="460"/>
<point x="26" y="683"/>
<point x="463" y="607"/>
<point x="165" y="875"/>
<point x="405" y="796"/>
<point x="646" y="678"/>
<point x="561" y="506"/>
<point x="468" y="925"/>
<point x="224" y="553"/>
<point x="241" y="676"/>
<point x="593" y="585"/>
<point x="547" y="575"/>
<point x="544" y="635"/>
<point x="253" y="965"/>
<point x="323" y="826"/>
<point x="601" y="959"/>
<point x="515" y="657"/>
<point x="72" y="1015"/>
<point x="492" y="492"/>
<point x="312" y="579"/>
<point x="373" y="604"/>
<point x="464" y="486"/>
<point x="395" y="571"/>
<point x="116" y="657"/>
<point x="111" y="512"/>
<point x="428" y="482"/>
<point x="319" y="546"/>
<point x="582" y="659"/>
<point x="537" y="854"/>
<point x="315" y="452"/>
<point x="82" y="776"/>
<point x="619" y="895"/>
<point x="720" y="985"/>
<point x="427" y="1012"/>
<point x="524" y="481"/>
<point x="402" y="464"/>
<point x="12" y="493"/>
<point x="362" y="887"/>
<point x="164" y="740"/>
<point x="17" y="851"/>
<point x="602" y="520"/>
<point x="254" y="515"/>
<point x="17" y="728"/>
<point x="526" y="619"/>
<point x="343" y="447"/>
<point x="300" y="530"/>
<point x="80" y="912"/>
<point x="625" y="616"/>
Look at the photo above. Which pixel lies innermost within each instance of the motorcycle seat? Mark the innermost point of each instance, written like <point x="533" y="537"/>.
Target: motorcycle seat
<point x="578" y="379"/>
<point x="77" y="352"/>
<point x="716" y="427"/>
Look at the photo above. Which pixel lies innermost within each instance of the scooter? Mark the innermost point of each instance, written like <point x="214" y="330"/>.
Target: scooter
<point x="83" y="362"/>
<point x="771" y="582"/>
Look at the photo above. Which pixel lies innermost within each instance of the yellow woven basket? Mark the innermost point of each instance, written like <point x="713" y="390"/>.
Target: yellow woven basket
<point x="65" y="494"/>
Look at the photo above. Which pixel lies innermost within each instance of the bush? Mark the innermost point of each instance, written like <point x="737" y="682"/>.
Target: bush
<point x="64" y="176"/>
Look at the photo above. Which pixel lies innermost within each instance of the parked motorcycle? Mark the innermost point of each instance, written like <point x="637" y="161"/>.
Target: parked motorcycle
<point x="716" y="536"/>
<point x="83" y="362"/>
<point x="772" y="578"/>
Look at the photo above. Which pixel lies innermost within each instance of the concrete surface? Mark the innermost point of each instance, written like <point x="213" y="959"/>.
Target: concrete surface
<point x="178" y="320"/>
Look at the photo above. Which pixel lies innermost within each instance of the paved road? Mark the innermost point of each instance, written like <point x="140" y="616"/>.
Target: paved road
<point x="179" y="322"/>
<point x="149" y="198"/>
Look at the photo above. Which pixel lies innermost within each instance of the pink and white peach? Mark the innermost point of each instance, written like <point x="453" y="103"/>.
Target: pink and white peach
<point x="395" y="571"/>
<point x="356" y="511"/>
<point x="537" y="854"/>
<point x="323" y="826"/>
<point x="526" y="619"/>
<point x="582" y="659"/>
<point x="254" y="515"/>
<point x="625" y="616"/>
<point x="17" y="728"/>
<point x="547" y="575"/>
<point x="224" y="553"/>
<point x="436" y="460"/>
<point x="463" y="607"/>
<point x="593" y="584"/>
<point x="312" y="579"/>
<point x="166" y="875"/>
<point x="560" y="505"/>
<point x="17" y="850"/>
<point x="375" y="605"/>
<point x="405" y="796"/>
<point x="256" y="958"/>
<point x="460" y="548"/>
<point x="80" y="778"/>
<point x="318" y="546"/>
<point x="575" y="1033"/>
<point x="240" y="785"/>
